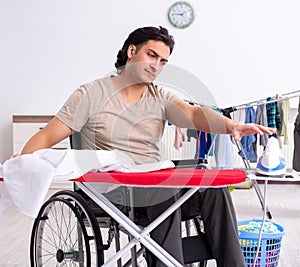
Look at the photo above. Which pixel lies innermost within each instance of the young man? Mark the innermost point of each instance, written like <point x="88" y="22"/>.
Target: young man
<point x="128" y="112"/>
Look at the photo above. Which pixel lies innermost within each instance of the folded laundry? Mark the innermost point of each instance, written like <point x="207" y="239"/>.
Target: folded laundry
<point x="255" y="227"/>
<point x="27" y="178"/>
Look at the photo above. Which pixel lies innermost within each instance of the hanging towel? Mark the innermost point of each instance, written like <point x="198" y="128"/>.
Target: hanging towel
<point x="296" y="155"/>
<point x="249" y="142"/>
<point x="203" y="144"/>
<point x="224" y="151"/>
<point x="284" y="110"/>
<point x="191" y="133"/>
<point x="226" y="111"/>
<point x="274" y="120"/>
<point x="261" y="118"/>
<point x="179" y="137"/>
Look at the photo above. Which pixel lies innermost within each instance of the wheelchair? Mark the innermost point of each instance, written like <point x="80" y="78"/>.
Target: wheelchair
<point x="72" y="230"/>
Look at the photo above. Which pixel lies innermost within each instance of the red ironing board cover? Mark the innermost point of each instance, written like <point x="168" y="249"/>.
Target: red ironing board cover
<point x="186" y="177"/>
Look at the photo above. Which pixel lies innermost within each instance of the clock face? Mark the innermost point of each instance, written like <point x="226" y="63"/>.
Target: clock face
<point x="181" y="14"/>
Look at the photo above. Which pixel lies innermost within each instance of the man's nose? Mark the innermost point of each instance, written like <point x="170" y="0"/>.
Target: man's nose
<point x="155" y="65"/>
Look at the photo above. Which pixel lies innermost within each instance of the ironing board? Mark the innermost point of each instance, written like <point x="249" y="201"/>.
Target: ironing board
<point x="176" y="178"/>
<point x="179" y="178"/>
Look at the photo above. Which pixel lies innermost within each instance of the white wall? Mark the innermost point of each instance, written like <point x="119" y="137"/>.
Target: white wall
<point x="241" y="50"/>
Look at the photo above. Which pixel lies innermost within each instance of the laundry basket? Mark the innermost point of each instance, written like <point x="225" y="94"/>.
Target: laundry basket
<point x="269" y="248"/>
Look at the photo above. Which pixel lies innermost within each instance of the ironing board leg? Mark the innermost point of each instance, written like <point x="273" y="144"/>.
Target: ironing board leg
<point x="139" y="235"/>
<point x="255" y="185"/>
<point x="131" y="216"/>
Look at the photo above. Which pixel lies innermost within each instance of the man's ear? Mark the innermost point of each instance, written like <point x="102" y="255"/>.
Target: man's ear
<point x="131" y="51"/>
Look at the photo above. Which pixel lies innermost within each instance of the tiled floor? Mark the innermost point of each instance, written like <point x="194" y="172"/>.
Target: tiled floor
<point x="282" y="202"/>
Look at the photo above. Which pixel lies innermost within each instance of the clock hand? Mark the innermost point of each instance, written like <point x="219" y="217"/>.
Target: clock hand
<point x="180" y="14"/>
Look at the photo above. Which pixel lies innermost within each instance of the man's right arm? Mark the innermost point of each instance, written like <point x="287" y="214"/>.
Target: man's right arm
<point x="51" y="134"/>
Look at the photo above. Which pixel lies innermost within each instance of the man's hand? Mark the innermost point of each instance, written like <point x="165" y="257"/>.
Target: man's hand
<point x="250" y="128"/>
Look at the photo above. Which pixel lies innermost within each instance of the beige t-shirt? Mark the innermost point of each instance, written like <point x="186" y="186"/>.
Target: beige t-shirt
<point x="106" y="121"/>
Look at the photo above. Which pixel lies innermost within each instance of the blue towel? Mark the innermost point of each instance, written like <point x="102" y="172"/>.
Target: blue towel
<point x="248" y="142"/>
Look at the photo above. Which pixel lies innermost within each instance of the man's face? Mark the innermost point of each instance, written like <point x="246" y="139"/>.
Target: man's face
<point x="146" y="62"/>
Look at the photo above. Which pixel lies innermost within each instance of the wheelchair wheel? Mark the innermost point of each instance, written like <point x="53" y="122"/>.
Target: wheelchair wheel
<point x="66" y="233"/>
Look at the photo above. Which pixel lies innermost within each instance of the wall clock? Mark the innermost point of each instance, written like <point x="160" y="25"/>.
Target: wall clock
<point x="181" y="14"/>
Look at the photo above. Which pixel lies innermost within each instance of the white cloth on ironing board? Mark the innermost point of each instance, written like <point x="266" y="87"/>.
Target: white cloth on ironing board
<point x="27" y="178"/>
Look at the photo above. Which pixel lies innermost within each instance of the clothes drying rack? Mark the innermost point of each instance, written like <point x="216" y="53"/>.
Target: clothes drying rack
<point x="227" y="111"/>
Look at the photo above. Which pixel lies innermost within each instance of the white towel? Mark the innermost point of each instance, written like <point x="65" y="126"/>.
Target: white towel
<point x="27" y="178"/>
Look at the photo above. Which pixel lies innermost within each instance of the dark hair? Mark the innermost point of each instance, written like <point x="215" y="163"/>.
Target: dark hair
<point x="140" y="36"/>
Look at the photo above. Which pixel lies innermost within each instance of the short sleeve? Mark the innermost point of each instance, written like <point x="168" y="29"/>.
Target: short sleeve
<point x="75" y="112"/>
<point x="169" y="98"/>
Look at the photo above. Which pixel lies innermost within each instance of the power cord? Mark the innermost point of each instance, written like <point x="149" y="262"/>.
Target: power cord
<point x="262" y="223"/>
